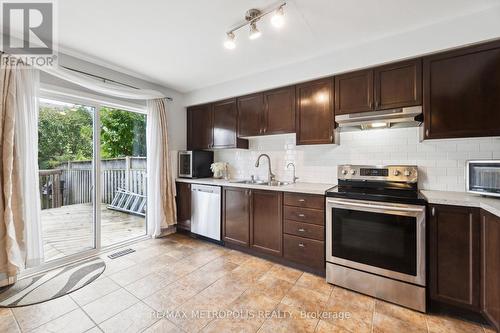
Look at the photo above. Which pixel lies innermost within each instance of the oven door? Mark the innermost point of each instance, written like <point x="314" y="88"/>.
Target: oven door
<point x="377" y="237"/>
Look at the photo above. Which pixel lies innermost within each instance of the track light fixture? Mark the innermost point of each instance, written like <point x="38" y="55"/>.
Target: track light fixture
<point x="252" y="16"/>
<point x="230" y="43"/>
<point x="254" y="32"/>
<point x="278" y="19"/>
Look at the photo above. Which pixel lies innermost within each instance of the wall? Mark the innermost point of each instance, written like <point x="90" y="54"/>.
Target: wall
<point x="480" y="26"/>
<point x="441" y="162"/>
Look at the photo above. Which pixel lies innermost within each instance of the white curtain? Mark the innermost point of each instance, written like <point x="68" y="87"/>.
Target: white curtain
<point x="102" y="87"/>
<point x="26" y="135"/>
<point x="20" y="239"/>
<point x="161" y="212"/>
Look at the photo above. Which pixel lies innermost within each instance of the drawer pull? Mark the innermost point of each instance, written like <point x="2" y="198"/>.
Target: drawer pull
<point x="302" y="200"/>
<point x="302" y="230"/>
<point x="301" y="215"/>
<point x="301" y="245"/>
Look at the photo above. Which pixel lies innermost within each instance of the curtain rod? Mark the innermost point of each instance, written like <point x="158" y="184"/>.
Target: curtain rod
<point x="107" y="80"/>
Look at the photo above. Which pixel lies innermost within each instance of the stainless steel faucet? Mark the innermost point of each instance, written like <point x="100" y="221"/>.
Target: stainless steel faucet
<point x="269" y="173"/>
<point x="294" y="178"/>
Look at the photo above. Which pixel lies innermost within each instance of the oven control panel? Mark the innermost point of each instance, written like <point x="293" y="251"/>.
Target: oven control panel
<point x="392" y="173"/>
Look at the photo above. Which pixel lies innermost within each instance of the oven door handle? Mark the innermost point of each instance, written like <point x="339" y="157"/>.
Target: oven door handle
<point x="373" y="206"/>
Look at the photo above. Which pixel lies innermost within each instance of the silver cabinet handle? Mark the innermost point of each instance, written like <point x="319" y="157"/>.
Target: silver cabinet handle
<point x="302" y="215"/>
<point x="302" y="200"/>
<point x="302" y="230"/>
<point x="301" y="245"/>
<point x="373" y="206"/>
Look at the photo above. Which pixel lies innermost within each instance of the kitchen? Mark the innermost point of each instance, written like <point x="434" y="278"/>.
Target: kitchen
<point x="413" y="140"/>
<point x="250" y="166"/>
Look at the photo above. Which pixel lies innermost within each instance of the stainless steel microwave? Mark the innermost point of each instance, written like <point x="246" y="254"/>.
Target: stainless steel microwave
<point x="483" y="177"/>
<point x="195" y="163"/>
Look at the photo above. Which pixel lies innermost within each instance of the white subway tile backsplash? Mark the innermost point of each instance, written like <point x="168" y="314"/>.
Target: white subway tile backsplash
<point x="441" y="163"/>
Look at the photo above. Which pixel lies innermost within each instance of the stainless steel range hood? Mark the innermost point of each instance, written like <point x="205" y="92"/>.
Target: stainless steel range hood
<point x="404" y="117"/>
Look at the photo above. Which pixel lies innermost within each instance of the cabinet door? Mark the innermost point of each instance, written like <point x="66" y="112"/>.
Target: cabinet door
<point x="314" y="112"/>
<point x="236" y="212"/>
<point x="490" y="267"/>
<point x="398" y="85"/>
<point x="183" y="203"/>
<point x="461" y="93"/>
<point x="454" y="256"/>
<point x="250" y="109"/>
<point x="266" y="227"/>
<point x="279" y="111"/>
<point x="354" y="92"/>
<point x="225" y="123"/>
<point x="200" y="134"/>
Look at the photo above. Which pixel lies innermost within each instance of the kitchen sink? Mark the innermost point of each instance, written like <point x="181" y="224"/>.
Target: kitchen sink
<point x="261" y="182"/>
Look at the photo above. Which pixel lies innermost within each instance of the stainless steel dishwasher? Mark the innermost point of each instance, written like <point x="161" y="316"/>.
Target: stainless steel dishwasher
<point x="205" y="211"/>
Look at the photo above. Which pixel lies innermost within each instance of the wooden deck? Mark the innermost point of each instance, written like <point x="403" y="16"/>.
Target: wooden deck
<point x="69" y="229"/>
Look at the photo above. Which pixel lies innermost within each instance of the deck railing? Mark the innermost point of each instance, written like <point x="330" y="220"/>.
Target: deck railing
<point x="65" y="186"/>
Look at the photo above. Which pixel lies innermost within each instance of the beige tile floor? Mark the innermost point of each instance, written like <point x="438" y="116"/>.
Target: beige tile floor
<point x="178" y="284"/>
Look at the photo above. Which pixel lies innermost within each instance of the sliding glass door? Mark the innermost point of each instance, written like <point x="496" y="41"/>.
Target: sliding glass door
<point x="66" y="178"/>
<point x="122" y="174"/>
<point x="88" y="152"/>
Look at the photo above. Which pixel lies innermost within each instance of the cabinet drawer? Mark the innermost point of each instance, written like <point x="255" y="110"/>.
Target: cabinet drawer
<point x="305" y="230"/>
<point x="305" y="200"/>
<point x="306" y="215"/>
<point x="304" y="251"/>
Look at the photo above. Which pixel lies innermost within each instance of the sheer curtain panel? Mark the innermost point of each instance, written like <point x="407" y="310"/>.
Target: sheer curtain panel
<point x="19" y="203"/>
<point x="161" y="212"/>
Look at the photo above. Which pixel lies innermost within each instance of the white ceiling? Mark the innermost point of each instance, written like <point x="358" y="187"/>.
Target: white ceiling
<point x="178" y="43"/>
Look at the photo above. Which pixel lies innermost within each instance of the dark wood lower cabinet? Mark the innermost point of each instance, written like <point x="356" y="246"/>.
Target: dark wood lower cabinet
<point x="236" y="215"/>
<point x="183" y="203"/>
<point x="306" y="251"/>
<point x="490" y="267"/>
<point x="266" y="222"/>
<point x="464" y="268"/>
<point x="253" y="222"/>
<point x="454" y="256"/>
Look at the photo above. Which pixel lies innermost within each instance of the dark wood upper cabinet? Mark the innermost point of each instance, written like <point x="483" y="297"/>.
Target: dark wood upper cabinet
<point x="462" y="92"/>
<point x="225" y="123"/>
<point x="236" y="215"/>
<point x="199" y="122"/>
<point x="279" y="111"/>
<point x="183" y="203"/>
<point x="454" y="255"/>
<point x="314" y="120"/>
<point x="398" y="85"/>
<point x="386" y="87"/>
<point x="267" y="227"/>
<point x="354" y="92"/>
<point x="250" y="114"/>
<point x="490" y="267"/>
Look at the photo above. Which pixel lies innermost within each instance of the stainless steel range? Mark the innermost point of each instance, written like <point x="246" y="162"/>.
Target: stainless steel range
<point x="375" y="233"/>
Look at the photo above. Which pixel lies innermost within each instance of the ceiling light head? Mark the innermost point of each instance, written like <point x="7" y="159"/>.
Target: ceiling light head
<point x="254" y="32"/>
<point x="230" y="43"/>
<point x="278" y="19"/>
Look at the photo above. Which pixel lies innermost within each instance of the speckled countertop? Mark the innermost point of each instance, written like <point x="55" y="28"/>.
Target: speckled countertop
<point x="489" y="204"/>
<point x="309" y="188"/>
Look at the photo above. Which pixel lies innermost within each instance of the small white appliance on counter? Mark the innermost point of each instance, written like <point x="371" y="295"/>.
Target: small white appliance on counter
<point x="483" y="177"/>
<point x="206" y="211"/>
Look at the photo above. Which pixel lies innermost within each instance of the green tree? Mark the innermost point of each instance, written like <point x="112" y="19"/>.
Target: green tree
<point x="64" y="134"/>
<point x="123" y="133"/>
